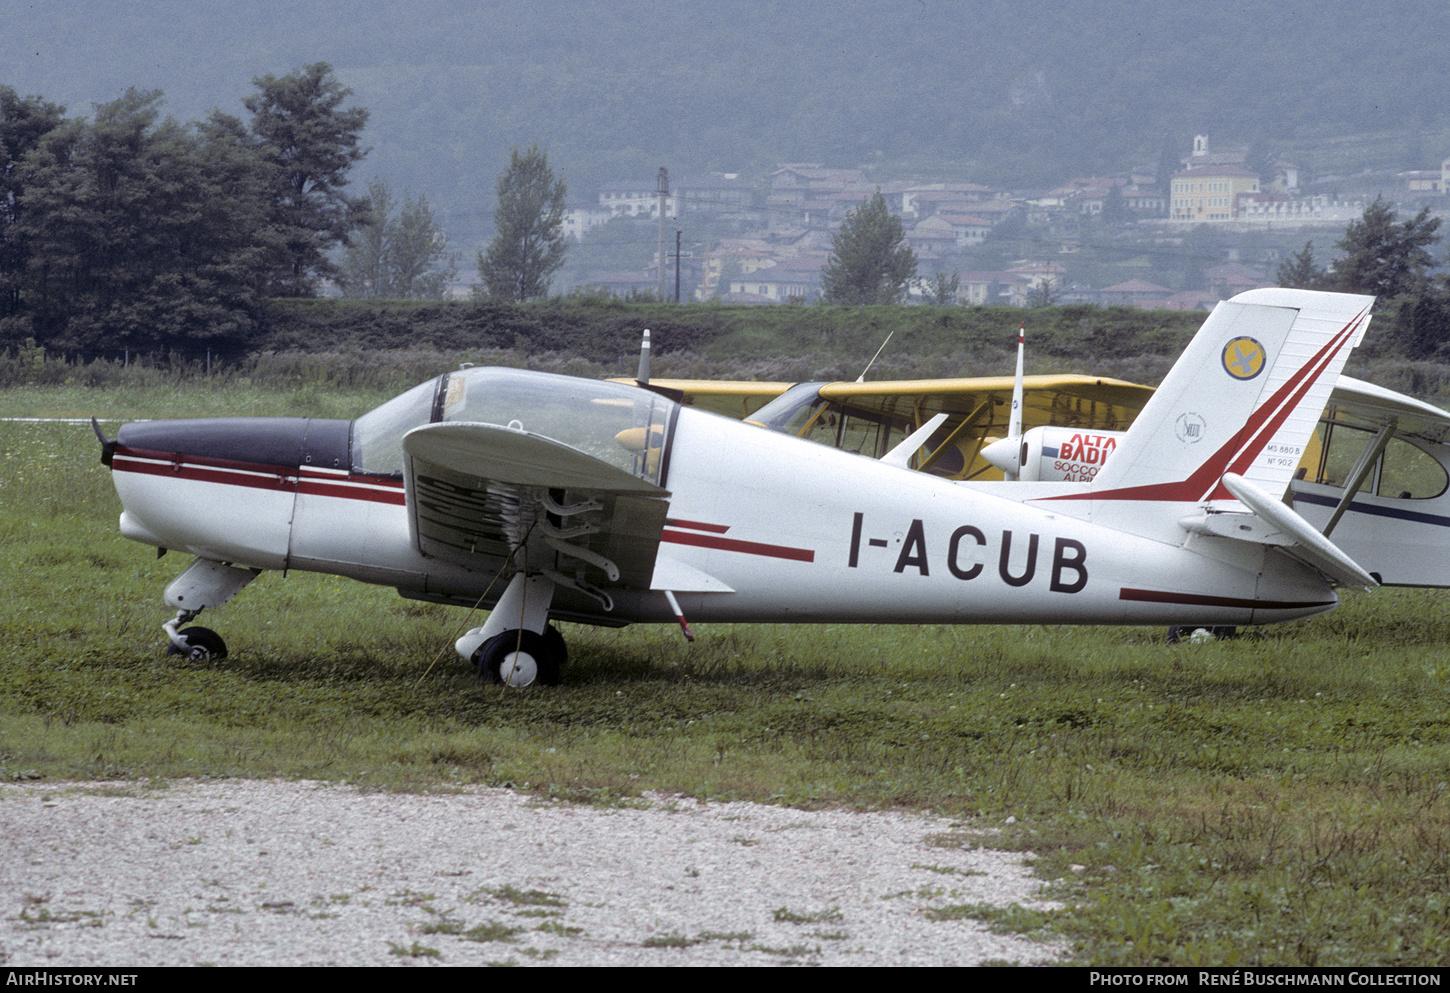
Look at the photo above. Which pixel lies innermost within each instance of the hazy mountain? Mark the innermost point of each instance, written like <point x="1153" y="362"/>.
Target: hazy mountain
<point x="992" y="91"/>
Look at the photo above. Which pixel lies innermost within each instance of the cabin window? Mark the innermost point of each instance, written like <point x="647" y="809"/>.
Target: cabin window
<point x="1403" y="471"/>
<point x="624" y="426"/>
<point x="1409" y="473"/>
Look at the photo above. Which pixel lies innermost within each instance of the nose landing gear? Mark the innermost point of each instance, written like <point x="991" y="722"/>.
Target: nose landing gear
<point x="196" y="643"/>
<point x="205" y="583"/>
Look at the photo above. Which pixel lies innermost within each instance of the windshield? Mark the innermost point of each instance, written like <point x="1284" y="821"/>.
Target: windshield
<point x="622" y="425"/>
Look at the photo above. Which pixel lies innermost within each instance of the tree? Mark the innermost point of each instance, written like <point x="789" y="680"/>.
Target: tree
<point x="1384" y="256"/>
<point x="23" y="122"/>
<point x="1300" y="272"/>
<point x="944" y="289"/>
<point x="1115" y="209"/>
<point x="529" y="247"/>
<point x="1169" y="162"/>
<point x="1262" y="161"/>
<point x="400" y="258"/>
<point x="142" y="234"/>
<point x="1044" y="294"/>
<point x="869" y="262"/>
<point x="310" y="143"/>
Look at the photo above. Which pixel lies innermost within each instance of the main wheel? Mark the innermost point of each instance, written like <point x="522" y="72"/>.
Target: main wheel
<point x="1197" y="633"/>
<point x="556" y="646"/>
<point x="202" y="644"/>
<point x="519" y="659"/>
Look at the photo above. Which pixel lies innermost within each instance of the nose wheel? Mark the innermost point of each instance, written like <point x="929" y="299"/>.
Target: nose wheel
<point x="196" y="643"/>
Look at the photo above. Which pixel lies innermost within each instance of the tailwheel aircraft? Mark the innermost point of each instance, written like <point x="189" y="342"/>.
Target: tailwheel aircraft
<point x="550" y="498"/>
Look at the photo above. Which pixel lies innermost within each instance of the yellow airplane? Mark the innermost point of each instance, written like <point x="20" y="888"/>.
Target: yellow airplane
<point x="873" y="418"/>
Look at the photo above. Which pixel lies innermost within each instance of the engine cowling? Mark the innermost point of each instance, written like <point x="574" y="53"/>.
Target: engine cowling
<point x="1052" y="454"/>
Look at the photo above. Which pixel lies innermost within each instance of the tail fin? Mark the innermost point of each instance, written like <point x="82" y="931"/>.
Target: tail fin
<point x="1244" y="398"/>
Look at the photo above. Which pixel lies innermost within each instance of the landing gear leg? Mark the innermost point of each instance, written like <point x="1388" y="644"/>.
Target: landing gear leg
<point x="516" y="645"/>
<point x="205" y="583"/>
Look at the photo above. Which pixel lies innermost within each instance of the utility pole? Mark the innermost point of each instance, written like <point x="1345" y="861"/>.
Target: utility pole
<point x="664" y="192"/>
<point x="678" y="254"/>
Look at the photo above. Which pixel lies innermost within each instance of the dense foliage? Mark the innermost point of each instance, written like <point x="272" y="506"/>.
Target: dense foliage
<point x="1389" y="259"/>
<point x="870" y="262"/>
<point x="530" y="246"/>
<point x="402" y="256"/>
<point x="125" y="231"/>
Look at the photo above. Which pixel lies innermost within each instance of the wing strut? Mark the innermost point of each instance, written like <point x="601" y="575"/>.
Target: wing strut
<point x="1361" y="472"/>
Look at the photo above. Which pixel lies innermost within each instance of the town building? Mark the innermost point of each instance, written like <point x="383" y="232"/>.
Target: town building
<point x="1210" y="194"/>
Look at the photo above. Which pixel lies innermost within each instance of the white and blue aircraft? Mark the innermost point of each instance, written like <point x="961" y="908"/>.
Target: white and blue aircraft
<point x="547" y="497"/>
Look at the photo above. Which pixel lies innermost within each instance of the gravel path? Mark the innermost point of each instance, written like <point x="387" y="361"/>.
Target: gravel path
<point x="285" y="873"/>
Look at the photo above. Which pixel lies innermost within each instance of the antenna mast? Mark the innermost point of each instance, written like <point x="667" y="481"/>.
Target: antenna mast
<point x="663" y="189"/>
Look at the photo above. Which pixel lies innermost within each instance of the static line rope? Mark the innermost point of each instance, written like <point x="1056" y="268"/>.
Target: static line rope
<point x="458" y="631"/>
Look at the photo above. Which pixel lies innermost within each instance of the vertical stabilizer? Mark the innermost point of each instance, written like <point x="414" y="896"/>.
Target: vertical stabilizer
<point x="1243" y="398"/>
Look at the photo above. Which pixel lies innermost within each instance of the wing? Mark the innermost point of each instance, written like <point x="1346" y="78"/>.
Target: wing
<point x="1354" y="399"/>
<point x="872" y="418"/>
<point x="476" y="492"/>
<point x="1061" y="401"/>
<point x="731" y="398"/>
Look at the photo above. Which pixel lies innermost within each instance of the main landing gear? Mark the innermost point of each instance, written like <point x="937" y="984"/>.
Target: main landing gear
<point x="1181" y="633"/>
<point x="198" y="644"/>
<point x="522" y="658"/>
<point x="517" y="646"/>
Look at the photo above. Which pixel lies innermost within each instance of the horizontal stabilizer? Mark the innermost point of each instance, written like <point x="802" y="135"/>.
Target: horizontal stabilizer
<point x="1272" y="523"/>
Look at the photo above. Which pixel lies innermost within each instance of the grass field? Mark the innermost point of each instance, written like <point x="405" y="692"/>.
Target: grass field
<point x="1276" y="799"/>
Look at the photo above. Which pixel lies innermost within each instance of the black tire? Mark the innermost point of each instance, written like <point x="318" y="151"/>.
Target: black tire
<point x="557" y="647"/>
<point x="537" y="654"/>
<point x="204" y="644"/>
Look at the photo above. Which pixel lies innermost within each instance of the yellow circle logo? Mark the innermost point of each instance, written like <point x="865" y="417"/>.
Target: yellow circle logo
<point x="1243" y="358"/>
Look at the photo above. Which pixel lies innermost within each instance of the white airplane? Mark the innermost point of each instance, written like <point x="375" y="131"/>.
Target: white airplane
<point x="549" y="497"/>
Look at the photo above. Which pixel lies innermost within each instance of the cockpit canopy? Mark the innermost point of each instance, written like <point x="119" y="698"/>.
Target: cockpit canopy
<point x="622" y="425"/>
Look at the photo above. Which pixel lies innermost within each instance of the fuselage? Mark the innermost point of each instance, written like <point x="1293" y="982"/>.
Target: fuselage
<point x="795" y="531"/>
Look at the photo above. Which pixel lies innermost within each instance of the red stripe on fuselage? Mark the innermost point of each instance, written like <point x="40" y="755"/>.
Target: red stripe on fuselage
<point x="1202" y="600"/>
<point x="734" y="545"/>
<point x="251" y="475"/>
<point x="697" y="526"/>
<point x="1237" y="454"/>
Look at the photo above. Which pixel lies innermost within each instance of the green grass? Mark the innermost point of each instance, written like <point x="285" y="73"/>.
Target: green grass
<point x="1277" y="799"/>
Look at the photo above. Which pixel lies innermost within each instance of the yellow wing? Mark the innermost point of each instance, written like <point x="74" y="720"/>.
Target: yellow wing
<point x="871" y="418"/>
<point x="737" y="399"/>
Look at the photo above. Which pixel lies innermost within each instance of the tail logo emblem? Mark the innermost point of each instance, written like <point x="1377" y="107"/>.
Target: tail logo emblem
<point x="1243" y="358"/>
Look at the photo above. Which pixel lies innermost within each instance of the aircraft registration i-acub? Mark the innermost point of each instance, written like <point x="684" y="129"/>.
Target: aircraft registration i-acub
<point x="548" y="497"/>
